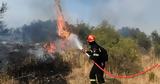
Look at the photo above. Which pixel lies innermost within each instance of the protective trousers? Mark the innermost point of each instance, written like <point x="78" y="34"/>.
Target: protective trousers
<point x="97" y="73"/>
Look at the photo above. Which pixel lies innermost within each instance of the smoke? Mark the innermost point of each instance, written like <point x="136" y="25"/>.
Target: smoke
<point x="69" y="39"/>
<point x="72" y="42"/>
<point x="38" y="53"/>
<point x="22" y="12"/>
<point x="75" y="42"/>
<point x="42" y="9"/>
<point x="133" y="13"/>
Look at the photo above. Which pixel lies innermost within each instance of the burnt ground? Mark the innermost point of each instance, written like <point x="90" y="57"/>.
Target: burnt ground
<point x="25" y="68"/>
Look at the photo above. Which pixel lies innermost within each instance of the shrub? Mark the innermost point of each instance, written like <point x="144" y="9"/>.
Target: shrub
<point x="124" y="57"/>
<point x="123" y="52"/>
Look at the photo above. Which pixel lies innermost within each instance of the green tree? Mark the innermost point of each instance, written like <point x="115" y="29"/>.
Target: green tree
<point x="140" y="37"/>
<point x="157" y="50"/>
<point x="156" y="43"/>
<point x="124" y="56"/>
<point x="123" y="52"/>
<point x="82" y="30"/>
<point x="155" y="37"/>
<point x="106" y="35"/>
<point x="143" y="41"/>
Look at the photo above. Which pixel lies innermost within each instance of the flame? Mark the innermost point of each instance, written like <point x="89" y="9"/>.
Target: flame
<point x="63" y="32"/>
<point x="50" y="47"/>
<point x="62" y="29"/>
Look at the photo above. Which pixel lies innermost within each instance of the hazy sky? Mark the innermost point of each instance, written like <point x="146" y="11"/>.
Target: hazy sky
<point x="143" y="14"/>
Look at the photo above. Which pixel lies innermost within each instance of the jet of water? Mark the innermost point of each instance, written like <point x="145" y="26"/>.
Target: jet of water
<point x="75" y="42"/>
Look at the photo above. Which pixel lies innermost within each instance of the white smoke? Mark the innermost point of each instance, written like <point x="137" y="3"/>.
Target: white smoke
<point x="74" y="41"/>
<point x="38" y="52"/>
<point x="133" y="13"/>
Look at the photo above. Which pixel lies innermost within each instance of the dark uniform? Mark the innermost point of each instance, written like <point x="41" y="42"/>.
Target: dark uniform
<point x="100" y="56"/>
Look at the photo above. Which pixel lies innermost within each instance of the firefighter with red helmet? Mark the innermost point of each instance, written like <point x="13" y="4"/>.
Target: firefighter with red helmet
<point x="100" y="56"/>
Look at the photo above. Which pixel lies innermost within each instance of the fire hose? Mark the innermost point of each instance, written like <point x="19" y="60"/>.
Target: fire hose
<point x="126" y="76"/>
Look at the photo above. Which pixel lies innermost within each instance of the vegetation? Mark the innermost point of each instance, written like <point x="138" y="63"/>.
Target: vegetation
<point x="156" y="43"/>
<point x="125" y="48"/>
<point x="82" y="30"/>
<point x="123" y="52"/>
<point x="24" y="68"/>
<point x="143" y="41"/>
<point x="39" y="31"/>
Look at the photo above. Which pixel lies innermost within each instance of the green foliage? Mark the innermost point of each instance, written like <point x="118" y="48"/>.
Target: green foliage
<point x="129" y="32"/>
<point x="106" y="35"/>
<point x="157" y="50"/>
<point x="124" y="56"/>
<point x="143" y="41"/>
<point x="123" y="52"/>
<point x="82" y="30"/>
<point x="155" y="37"/>
<point x="140" y="37"/>
<point x="156" y="43"/>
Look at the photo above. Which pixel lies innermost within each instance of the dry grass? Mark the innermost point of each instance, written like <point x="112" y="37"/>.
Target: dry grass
<point x="80" y="75"/>
<point x="81" y="67"/>
<point x="146" y="61"/>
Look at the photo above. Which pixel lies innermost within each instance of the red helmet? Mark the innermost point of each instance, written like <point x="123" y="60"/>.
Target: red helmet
<point x="91" y="38"/>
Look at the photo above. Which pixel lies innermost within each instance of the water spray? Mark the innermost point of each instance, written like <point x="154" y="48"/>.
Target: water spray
<point x="74" y="41"/>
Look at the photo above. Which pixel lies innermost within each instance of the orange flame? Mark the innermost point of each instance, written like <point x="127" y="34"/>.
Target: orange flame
<point x="62" y="29"/>
<point x="50" y="47"/>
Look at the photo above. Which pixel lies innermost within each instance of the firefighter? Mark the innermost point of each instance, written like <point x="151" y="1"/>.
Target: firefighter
<point x="100" y="56"/>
